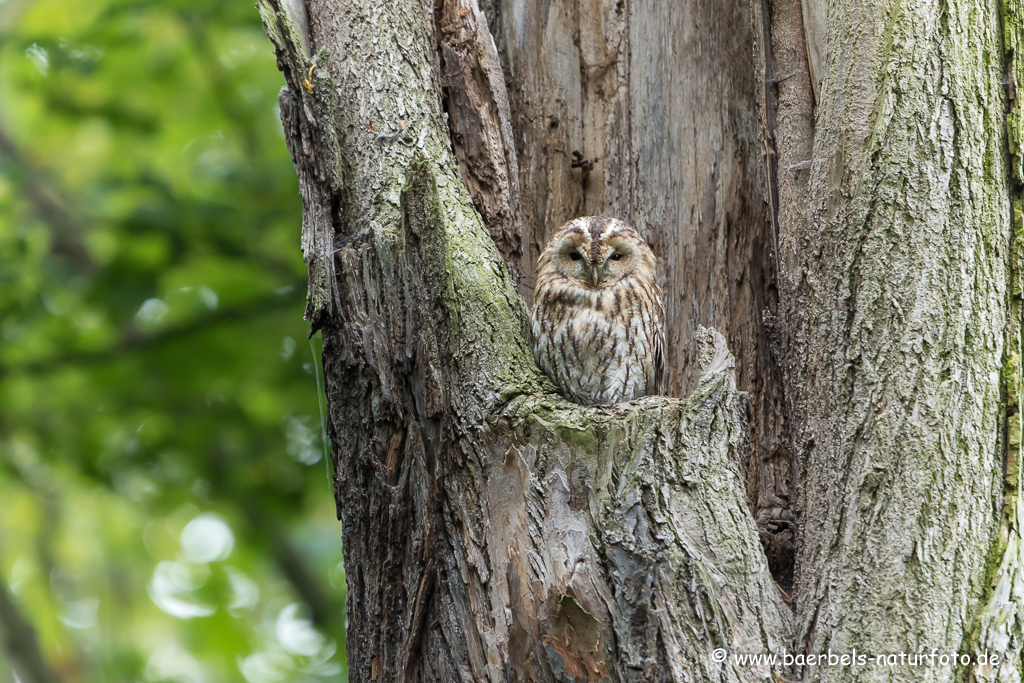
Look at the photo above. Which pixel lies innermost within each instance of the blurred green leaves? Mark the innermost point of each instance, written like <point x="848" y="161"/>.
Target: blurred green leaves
<point x="166" y="513"/>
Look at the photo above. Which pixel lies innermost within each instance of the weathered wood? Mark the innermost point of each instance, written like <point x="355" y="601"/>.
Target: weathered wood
<point x="646" y="112"/>
<point x="786" y="105"/>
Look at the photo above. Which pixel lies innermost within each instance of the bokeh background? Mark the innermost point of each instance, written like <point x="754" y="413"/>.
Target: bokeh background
<point x="165" y="507"/>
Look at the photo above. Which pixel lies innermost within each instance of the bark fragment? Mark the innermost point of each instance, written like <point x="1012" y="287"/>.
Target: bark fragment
<point x="478" y="113"/>
<point x="307" y="102"/>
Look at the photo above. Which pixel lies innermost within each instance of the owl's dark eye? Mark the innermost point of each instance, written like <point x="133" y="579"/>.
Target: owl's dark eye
<point x="575" y="256"/>
<point x="616" y="257"/>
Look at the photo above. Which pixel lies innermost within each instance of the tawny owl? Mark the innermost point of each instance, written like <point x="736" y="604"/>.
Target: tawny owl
<point x="597" y="315"/>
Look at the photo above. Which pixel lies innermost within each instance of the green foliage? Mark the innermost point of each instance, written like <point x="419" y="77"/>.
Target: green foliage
<point x="166" y="512"/>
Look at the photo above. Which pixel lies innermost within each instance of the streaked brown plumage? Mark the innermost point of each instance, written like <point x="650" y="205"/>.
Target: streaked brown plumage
<point x="597" y="316"/>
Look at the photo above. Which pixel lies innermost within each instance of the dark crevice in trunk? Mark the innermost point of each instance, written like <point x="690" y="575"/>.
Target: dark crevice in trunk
<point x="773" y="498"/>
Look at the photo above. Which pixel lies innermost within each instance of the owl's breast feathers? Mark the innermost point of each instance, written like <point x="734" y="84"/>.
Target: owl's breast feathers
<point x="599" y="346"/>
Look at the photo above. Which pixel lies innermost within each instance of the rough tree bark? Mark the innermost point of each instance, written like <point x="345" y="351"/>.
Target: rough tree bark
<point x="858" y="152"/>
<point x="894" y="270"/>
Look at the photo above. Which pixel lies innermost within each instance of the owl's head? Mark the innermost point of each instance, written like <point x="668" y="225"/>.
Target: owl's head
<point x="597" y="252"/>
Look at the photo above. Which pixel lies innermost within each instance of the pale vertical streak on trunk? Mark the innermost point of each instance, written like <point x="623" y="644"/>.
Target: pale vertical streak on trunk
<point x="814" y="14"/>
<point x="1001" y="620"/>
<point x="492" y="530"/>
<point x="645" y="111"/>
<point x="895" y="296"/>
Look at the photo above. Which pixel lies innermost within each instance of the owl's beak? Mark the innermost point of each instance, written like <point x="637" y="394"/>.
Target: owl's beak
<point x="595" y="275"/>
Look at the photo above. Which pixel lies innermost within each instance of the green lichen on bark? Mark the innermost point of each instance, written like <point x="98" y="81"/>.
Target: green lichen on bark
<point x="1013" y="38"/>
<point x="1001" y="620"/>
<point x="480" y="289"/>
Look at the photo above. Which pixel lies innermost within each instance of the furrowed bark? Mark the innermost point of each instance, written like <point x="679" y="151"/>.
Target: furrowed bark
<point x="1001" y="622"/>
<point x="893" y="300"/>
<point x="492" y="530"/>
<point x="305" y="111"/>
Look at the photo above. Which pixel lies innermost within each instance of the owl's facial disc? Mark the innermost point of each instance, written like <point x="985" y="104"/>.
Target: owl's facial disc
<point x="596" y="260"/>
<point x="617" y="260"/>
<point x="594" y="268"/>
<point x="572" y="261"/>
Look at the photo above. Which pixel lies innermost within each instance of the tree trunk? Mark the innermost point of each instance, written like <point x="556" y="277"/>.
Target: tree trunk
<point x="894" y="272"/>
<point x="830" y="186"/>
